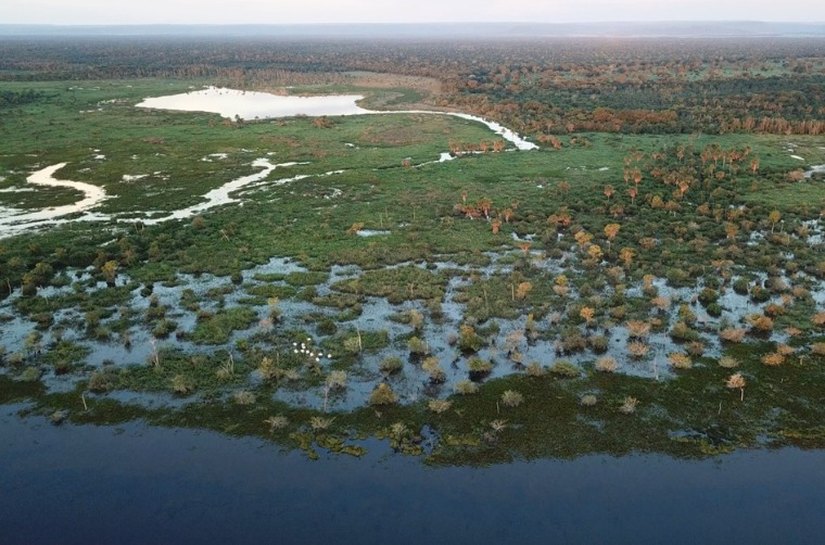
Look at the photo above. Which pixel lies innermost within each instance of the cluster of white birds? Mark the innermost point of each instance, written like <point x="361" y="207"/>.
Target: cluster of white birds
<point x="306" y="350"/>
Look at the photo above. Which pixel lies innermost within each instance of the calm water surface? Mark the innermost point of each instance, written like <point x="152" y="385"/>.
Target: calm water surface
<point x="139" y="484"/>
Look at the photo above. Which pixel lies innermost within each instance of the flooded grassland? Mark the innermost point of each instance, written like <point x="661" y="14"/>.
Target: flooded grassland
<point x="429" y="279"/>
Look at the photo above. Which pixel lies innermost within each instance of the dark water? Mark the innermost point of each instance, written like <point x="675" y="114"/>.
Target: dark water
<point x="137" y="484"/>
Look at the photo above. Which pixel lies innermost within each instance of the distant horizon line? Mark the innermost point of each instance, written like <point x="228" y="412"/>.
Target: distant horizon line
<point x="422" y="23"/>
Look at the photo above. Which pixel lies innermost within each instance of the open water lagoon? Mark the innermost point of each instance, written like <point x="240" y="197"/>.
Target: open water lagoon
<point x="140" y="484"/>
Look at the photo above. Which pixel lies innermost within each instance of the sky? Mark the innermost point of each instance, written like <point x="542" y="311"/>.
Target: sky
<point x="396" y="11"/>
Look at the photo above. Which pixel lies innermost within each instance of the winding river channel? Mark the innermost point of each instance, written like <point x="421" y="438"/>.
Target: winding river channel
<point x="231" y="104"/>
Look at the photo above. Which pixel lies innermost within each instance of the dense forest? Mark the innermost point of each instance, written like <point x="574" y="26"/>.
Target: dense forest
<point x="541" y="87"/>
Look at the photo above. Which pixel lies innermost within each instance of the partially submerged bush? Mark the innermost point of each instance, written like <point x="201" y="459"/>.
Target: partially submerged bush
<point x="383" y="395"/>
<point x="565" y="369"/>
<point x="466" y="387"/>
<point x="678" y="360"/>
<point x="606" y="364"/>
<point x="479" y="368"/>
<point x="390" y="365"/>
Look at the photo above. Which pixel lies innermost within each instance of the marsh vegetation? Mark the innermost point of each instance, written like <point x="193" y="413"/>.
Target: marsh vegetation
<point x="632" y="284"/>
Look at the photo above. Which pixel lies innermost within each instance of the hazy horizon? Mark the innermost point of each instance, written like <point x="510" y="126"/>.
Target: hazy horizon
<point x="310" y="12"/>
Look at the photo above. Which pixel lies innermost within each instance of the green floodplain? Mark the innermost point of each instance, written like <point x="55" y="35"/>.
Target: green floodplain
<point x="609" y="292"/>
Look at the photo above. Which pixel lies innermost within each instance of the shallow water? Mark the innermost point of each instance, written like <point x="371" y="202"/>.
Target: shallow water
<point x="138" y="484"/>
<point x="231" y="103"/>
<point x="14" y="222"/>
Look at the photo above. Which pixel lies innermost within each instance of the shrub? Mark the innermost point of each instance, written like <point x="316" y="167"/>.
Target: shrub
<point x="732" y="335"/>
<point x="606" y="364"/>
<point x="588" y="400"/>
<point x="565" y="369"/>
<point x="182" y="385"/>
<point x="102" y="381"/>
<point x="30" y="374"/>
<point x="679" y="361"/>
<point x="278" y="422"/>
<point x="439" y="406"/>
<point x="638" y="329"/>
<point x="479" y="368"/>
<point x="319" y="423"/>
<point x="511" y="398"/>
<point x="536" y="370"/>
<point x="418" y="347"/>
<point x="599" y="344"/>
<point x="337" y="380"/>
<point x="774" y="359"/>
<point x="244" y="397"/>
<point x="466" y="387"/>
<point x="433" y="368"/>
<point x="637" y="350"/>
<point x="391" y="365"/>
<point x="629" y="405"/>
<point x="383" y="395"/>
<point x="728" y="362"/>
<point x="762" y="324"/>
<point x="468" y="340"/>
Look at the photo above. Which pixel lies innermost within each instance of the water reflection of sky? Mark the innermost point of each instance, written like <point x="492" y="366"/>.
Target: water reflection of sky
<point x="140" y="485"/>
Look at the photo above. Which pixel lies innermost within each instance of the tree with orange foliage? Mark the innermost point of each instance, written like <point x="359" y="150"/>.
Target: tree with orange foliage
<point x="587" y="314"/>
<point x="608" y="191"/>
<point x="633" y="193"/>
<point x="611" y="230"/>
<point x="627" y="255"/>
